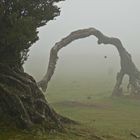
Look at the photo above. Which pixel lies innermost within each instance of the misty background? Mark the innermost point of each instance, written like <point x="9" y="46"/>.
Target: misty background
<point x="85" y="59"/>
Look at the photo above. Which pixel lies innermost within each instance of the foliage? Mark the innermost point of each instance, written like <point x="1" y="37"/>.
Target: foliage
<point x="19" y="20"/>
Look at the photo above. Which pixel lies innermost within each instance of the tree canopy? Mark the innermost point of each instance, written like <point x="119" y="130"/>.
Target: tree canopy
<point x="19" y="20"/>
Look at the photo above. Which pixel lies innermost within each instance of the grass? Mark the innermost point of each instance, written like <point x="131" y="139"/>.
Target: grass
<point x="118" y="118"/>
<point x="89" y="103"/>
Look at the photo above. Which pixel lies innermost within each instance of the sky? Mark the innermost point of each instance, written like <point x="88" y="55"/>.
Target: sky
<point x="117" y="18"/>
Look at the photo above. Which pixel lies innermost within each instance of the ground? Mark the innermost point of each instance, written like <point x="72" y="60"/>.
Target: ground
<point x="101" y="117"/>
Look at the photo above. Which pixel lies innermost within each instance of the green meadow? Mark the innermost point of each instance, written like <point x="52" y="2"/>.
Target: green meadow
<point x="87" y="100"/>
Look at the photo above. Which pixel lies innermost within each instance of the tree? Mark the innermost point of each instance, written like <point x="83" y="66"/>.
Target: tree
<point x="127" y="65"/>
<point x="22" y="104"/>
<point x="19" y="21"/>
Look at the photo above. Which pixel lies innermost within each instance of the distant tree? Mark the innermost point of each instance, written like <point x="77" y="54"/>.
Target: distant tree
<point x="22" y="104"/>
<point x="128" y="67"/>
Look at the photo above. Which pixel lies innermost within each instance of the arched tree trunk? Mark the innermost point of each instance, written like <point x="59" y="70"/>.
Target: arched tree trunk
<point x="127" y="65"/>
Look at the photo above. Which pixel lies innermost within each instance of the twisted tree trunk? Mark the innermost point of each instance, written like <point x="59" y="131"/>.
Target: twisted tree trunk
<point x="22" y="103"/>
<point x="127" y="65"/>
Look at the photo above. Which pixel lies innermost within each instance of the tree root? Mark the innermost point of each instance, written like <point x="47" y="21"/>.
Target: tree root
<point x="23" y="103"/>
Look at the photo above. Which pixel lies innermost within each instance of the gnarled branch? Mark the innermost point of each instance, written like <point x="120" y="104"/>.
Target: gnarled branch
<point x="127" y="65"/>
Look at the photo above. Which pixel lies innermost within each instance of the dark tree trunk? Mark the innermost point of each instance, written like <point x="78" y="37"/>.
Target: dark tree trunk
<point x="22" y="104"/>
<point x="127" y="65"/>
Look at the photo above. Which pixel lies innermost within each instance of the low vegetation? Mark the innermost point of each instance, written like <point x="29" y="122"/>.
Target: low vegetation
<point x="100" y="116"/>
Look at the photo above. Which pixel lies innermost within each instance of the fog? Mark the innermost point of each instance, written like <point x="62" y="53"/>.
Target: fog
<point x="117" y="18"/>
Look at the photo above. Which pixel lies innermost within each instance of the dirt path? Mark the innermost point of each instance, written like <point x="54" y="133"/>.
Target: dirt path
<point x="82" y="105"/>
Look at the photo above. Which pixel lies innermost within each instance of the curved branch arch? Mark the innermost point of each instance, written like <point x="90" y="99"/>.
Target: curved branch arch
<point x="127" y="65"/>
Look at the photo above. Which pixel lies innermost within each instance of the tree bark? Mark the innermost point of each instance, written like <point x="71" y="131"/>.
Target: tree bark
<point x="22" y="103"/>
<point x="127" y="65"/>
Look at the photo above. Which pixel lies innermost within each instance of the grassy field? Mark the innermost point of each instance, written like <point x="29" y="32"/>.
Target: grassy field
<point x="88" y="101"/>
